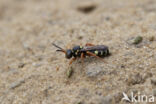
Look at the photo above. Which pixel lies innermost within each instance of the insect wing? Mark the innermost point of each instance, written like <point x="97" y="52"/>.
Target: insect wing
<point x="98" y="47"/>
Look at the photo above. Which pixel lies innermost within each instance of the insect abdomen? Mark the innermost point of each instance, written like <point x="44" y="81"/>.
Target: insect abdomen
<point x="101" y="53"/>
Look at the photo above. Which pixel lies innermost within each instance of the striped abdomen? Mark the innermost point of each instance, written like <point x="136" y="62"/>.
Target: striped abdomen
<point x="99" y="50"/>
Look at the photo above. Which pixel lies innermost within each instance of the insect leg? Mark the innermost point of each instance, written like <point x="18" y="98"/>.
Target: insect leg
<point x="92" y="54"/>
<point x="82" y="57"/>
<point x="89" y="44"/>
<point x="71" y="61"/>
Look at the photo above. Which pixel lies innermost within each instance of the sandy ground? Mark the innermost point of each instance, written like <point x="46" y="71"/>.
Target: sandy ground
<point x="31" y="72"/>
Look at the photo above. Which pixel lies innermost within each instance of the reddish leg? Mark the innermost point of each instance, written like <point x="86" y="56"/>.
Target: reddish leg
<point x="89" y="44"/>
<point x="92" y="54"/>
<point x="82" y="57"/>
<point x="71" y="61"/>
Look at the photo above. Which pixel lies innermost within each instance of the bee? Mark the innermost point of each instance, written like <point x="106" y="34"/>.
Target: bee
<point x="98" y="51"/>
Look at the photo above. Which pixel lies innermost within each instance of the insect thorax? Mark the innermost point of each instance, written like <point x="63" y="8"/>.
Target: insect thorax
<point x="77" y="51"/>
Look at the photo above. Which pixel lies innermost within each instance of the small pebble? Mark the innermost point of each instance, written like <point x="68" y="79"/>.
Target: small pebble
<point x="21" y="65"/>
<point x="79" y="102"/>
<point x="80" y="37"/>
<point x="70" y="72"/>
<point x="137" y="40"/>
<point x="135" y="79"/>
<point x="152" y="38"/>
<point x="86" y="7"/>
<point x="134" y="40"/>
<point x="57" y="68"/>
<point x="153" y="81"/>
<point x="107" y="18"/>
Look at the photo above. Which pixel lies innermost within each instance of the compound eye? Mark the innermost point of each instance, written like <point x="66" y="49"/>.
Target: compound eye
<point x="68" y="54"/>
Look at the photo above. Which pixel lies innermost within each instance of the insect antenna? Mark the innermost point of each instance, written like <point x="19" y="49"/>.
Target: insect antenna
<point x="60" y="49"/>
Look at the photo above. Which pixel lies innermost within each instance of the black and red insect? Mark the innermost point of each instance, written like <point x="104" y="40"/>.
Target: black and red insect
<point x="98" y="51"/>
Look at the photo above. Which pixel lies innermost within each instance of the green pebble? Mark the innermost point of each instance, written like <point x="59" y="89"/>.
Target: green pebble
<point x="137" y="40"/>
<point x="79" y="103"/>
<point x="70" y="72"/>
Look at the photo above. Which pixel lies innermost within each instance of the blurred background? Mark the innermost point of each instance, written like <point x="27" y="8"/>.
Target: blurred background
<point x="31" y="72"/>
